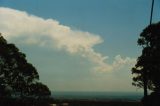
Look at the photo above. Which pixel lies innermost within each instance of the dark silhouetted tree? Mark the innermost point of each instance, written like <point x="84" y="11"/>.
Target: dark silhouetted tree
<point x="147" y="68"/>
<point x="39" y="90"/>
<point x="16" y="74"/>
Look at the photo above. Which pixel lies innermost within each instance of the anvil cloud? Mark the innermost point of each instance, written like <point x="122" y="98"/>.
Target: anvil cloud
<point x="16" y="24"/>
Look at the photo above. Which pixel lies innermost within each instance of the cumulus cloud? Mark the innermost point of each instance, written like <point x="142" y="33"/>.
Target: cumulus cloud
<point x="49" y="32"/>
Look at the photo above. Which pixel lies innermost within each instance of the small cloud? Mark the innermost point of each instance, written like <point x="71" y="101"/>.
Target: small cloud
<point x="121" y="62"/>
<point x="49" y="32"/>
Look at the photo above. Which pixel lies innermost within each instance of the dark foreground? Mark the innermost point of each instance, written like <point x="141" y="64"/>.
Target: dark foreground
<point x="95" y="103"/>
<point x="71" y="103"/>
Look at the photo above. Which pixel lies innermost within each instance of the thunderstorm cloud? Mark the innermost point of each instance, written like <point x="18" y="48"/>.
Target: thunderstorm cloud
<point x="34" y="30"/>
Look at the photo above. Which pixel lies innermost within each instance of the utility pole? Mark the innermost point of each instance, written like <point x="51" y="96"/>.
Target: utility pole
<point x="151" y="12"/>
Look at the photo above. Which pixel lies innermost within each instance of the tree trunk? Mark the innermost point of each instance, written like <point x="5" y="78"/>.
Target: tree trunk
<point x="145" y="81"/>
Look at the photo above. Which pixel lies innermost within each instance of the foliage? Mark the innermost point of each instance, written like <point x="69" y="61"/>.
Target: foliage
<point x="148" y="64"/>
<point x="17" y="76"/>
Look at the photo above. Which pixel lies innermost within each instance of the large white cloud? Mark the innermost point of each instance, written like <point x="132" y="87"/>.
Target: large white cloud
<point x="49" y="32"/>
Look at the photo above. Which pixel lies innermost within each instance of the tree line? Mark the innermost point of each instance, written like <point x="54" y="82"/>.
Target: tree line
<point x="18" y="77"/>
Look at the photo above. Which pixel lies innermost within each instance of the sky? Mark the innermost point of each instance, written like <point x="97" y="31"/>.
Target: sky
<point x="79" y="45"/>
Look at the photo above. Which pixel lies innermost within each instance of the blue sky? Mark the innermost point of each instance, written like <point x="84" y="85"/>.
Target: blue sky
<point x="98" y="43"/>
